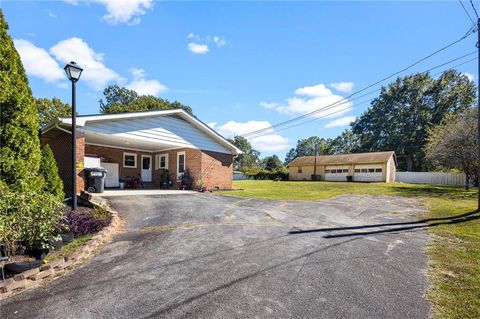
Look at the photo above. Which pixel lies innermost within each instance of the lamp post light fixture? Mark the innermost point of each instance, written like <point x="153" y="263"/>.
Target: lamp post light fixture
<point x="73" y="73"/>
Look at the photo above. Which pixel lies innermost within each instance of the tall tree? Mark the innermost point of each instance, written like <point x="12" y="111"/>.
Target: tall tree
<point x="345" y="143"/>
<point x="453" y="143"/>
<point x="122" y="100"/>
<point x="19" y="143"/>
<point x="272" y="163"/>
<point x="290" y="156"/>
<point x="250" y="156"/>
<point x="51" y="109"/>
<point x="400" y="117"/>
<point x="307" y="147"/>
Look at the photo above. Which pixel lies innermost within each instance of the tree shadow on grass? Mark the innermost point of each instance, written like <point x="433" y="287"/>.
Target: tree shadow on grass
<point x="442" y="191"/>
<point x="407" y="226"/>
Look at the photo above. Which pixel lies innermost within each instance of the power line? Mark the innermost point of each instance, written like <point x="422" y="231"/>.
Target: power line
<point x="466" y="11"/>
<point x="468" y="33"/>
<point x="338" y="103"/>
<point x="474" y="9"/>
<point x="360" y="103"/>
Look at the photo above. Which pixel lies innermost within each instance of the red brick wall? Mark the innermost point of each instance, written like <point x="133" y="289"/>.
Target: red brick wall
<point x="61" y="145"/>
<point x="115" y="155"/>
<point x="217" y="170"/>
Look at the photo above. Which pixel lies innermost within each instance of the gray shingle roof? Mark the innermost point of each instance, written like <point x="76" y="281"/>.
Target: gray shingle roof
<point x="339" y="159"/>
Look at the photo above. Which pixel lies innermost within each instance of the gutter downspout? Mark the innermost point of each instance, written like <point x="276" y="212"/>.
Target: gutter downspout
<point x="62" y="129"/>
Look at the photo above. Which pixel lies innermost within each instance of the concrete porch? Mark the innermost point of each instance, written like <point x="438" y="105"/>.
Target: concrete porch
<point x="141" y="192"/>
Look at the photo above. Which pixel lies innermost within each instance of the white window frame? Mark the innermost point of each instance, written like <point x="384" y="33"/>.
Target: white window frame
<point x="129" y="154"/>
<point x="179" y="175"/>
<point x="157" y="160"/>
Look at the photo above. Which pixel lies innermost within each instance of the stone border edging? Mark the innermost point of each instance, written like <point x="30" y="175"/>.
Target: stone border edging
<point x="45" y="273"/>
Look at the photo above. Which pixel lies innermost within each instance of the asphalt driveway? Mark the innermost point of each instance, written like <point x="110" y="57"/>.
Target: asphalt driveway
<point x="206" y="256"/>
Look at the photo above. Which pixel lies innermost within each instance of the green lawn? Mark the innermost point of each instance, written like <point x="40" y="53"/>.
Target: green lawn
<point x="454" y="251"/>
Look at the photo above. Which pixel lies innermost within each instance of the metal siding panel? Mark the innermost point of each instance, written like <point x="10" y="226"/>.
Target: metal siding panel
<point x="164" y="128"/>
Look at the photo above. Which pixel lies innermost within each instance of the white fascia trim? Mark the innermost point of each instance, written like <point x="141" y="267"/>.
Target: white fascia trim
<point x="211" y="132"/>
<point x="81" y="120"/>
<point x="119" y="147"/>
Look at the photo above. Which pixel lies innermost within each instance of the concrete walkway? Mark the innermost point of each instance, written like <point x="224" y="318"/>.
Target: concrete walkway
<point x="142" y="192"/>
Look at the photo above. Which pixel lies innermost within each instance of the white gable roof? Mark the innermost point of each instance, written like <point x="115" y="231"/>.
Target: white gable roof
<point x="153" y="130"/>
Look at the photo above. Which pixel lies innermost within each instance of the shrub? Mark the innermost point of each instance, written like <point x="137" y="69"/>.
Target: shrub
<point x="85" y="222"/>
<point x="186" y="180"/>
<point x="20" y="145"/>
<point x="263" y="174"/>
<point x="49" y="171"/>
<point x="28" y="217"/>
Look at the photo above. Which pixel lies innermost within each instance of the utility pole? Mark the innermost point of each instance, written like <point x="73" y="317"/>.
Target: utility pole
<point x="315" y="165"/>
<point x="478" y="110"/>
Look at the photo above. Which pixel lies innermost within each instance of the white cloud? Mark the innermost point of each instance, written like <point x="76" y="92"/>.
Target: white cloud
<point x="95" y="73"/>
<point x="343" y="121"/>
<point x="345" y="87"/>
<point x="142" y="86"/>
<point x="316" y="90"/>
<point x="200" y="44"/>
<point x="121" y="11"/>
<point x="268" y="143"/>
<point x="220" y="42"/>
<point x="269" y="105"/>
<point x="198" y="48"/>
<point x="313" y="98"/>
<point x="470" y="76"/>
<point x="212" y="124"/>
<point x="37" y="62"/>
<point x="193" y="36"/>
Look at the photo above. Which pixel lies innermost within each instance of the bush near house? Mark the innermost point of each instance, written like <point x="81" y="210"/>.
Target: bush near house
<point x="265" y="174"/>
<point x="49" y="171"/>
<point x="29" y="204"/>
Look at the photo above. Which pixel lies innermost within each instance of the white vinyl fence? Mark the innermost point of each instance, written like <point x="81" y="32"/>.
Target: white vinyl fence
<point x="238" y="176"/>
<point x="431" y="178"/>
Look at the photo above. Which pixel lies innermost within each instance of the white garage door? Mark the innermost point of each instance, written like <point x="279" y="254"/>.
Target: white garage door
<point x="111" y="180"/>
<point x="336" y="173"/>
<point x="368" y="173"/>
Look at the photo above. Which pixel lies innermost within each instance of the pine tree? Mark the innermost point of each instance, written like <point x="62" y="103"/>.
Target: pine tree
<point x="49" y="171"/>
<point x="19" y="142"/>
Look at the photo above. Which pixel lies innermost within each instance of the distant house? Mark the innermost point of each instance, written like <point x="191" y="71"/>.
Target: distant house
<point x="143" y="145"/>
<point x="360" y="167"/>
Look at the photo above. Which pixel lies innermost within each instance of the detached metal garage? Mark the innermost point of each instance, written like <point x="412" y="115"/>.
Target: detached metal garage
<point x="357" y="167"/>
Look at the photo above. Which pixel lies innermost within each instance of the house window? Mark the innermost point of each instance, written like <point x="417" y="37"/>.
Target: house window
<point x="345" y="170"/>
<point x="327" y="171"/>
<point x="299" y="170"/>
<point x="130" y="160"/>
<point x="162" y="161"/>
<point x="180" y="164"/>
<point x="378" y="170"/>
<point x="371" y="170"/>
<point x="357" y="170"/>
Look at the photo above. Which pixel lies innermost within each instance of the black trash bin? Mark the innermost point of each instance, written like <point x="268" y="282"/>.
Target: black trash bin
<point x="95" y="177"/>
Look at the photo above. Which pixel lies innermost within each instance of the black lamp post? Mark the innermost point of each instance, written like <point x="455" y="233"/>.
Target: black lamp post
<point x="73" y="73"/>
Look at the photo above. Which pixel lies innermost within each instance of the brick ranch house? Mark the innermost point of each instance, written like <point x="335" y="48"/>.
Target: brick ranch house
<point x="360" y="167"/>
<point x="143" y="145"/>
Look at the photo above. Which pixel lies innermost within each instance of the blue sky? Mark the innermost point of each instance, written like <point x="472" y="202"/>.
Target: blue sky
<point x="240" y="65"/>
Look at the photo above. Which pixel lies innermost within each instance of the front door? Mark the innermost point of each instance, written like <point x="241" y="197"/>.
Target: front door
<point x="146" y="168"/>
